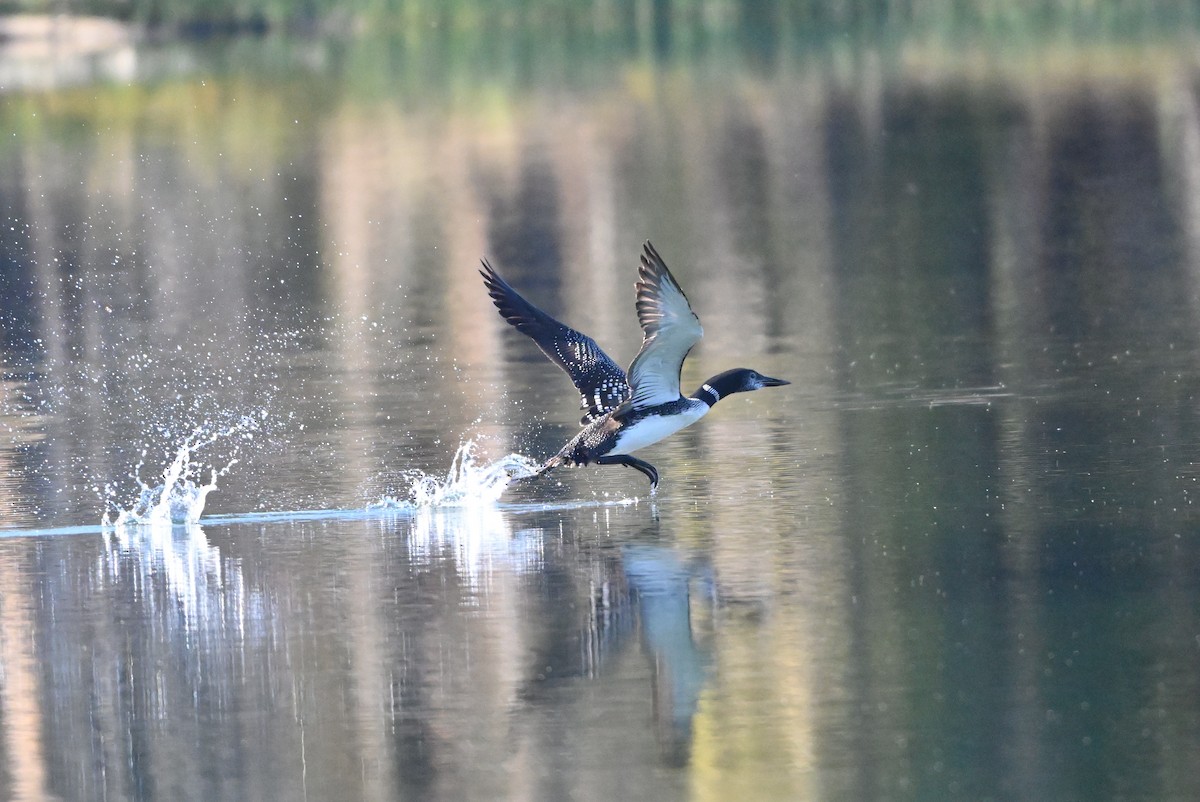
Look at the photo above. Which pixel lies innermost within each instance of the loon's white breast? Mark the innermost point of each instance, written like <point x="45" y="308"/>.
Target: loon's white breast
<point x="649" y="427"/>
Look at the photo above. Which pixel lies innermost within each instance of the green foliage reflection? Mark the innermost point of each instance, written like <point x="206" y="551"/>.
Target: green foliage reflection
<point x="661" y="24"/>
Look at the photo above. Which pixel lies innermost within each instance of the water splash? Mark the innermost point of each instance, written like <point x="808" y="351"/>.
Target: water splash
<point x="468" y="483"/>
<point x="181" y="496"/>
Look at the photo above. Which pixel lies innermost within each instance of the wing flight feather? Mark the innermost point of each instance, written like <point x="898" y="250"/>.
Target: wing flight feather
<point x="670" y="329"/>
<point x="601" y="383"/>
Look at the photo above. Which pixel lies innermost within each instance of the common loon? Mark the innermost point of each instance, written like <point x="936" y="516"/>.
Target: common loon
<point x="623" y="414"/>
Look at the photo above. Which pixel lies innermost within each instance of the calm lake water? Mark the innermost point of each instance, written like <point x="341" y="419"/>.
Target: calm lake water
<point x="957" y="558"/>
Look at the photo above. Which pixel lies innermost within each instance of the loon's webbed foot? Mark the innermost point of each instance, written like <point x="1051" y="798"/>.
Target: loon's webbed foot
<point x="642" y="466"/>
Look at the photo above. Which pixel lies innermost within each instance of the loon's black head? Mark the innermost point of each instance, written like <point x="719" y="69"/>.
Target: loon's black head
<point x="738" y="380"/>
<point x="743" y="380"/>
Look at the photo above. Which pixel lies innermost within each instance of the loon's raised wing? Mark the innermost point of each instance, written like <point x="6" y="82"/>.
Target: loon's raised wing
<point x="600" y="381"/>
<point x="670" y="328"/>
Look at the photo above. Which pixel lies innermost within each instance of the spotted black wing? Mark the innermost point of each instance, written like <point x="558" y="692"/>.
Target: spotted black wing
<point x="600" y="381"/>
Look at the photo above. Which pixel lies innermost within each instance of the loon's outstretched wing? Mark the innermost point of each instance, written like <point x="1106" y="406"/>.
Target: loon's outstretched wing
<point x="670" y="328"/>
<point x="600" y="381"/>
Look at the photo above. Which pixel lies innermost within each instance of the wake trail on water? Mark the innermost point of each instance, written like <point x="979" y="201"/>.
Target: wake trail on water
<point x="179" y="497"/>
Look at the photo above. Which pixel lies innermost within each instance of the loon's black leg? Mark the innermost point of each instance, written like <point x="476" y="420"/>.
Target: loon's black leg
<point x="632" y="462"/>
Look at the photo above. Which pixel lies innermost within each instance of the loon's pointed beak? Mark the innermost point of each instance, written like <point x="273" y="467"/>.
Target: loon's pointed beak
<point x="767" y="381"/>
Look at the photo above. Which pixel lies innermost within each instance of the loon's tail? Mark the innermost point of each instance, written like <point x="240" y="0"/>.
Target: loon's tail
<point x="552" y="463"/>
<point x="545" y="468"/>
